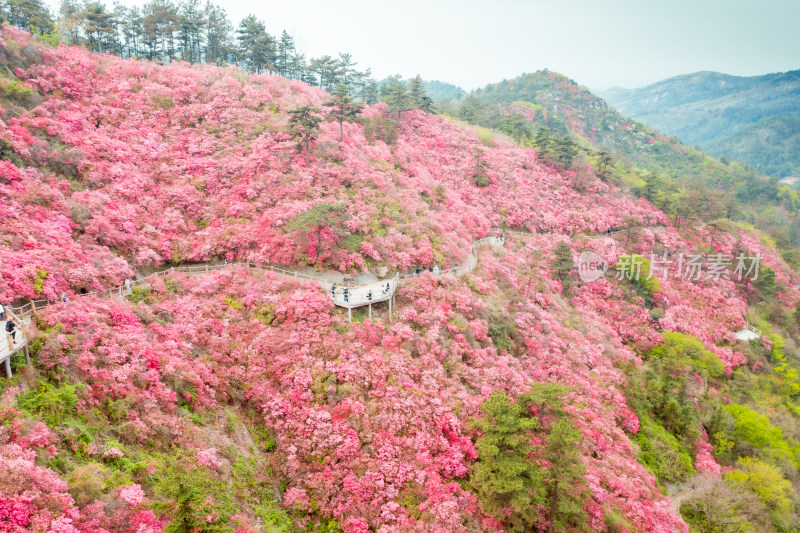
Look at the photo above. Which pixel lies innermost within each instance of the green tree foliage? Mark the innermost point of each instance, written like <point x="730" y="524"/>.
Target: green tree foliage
<point x="566" y="150"/>
<point x="513" y="474"/>
<point x="382" y="129"/>
<point x="518" y="127"/>
<point x="662" y="453"/>
<point x="502" y="329"/>
<point x="768" y="483"/>
<point x="564" y="478"/>
<point x="664" y="389"/>
<point x="342" y="108"/>
<point x="395" y="93"/>
<point x="479" y="175"/>
<point x="370" y="93"/>
<point x="304" y="127"/>
<point x="563" y="263"/>
<point x="687" y="350"/>
<point x="100" y="28"/>
<point x="327" y="68"/>
<point x="765" y="282"/>
<point x="418" y="99"/>
<point x="752" y="434"/>
<point x="637" y="269"/>
<point x="188" y="495"/>
<point x="51" y="402"/>
<point x="256" y="46"/>
<point x="27" y="14"/>
<point x="504" y="477"/>
<point x="187" y="30"/>
<point x="605" y="164"/>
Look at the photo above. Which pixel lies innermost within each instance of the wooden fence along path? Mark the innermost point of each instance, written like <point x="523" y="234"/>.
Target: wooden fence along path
<point x="349" y="296"/>
<point x="9" y="346"/>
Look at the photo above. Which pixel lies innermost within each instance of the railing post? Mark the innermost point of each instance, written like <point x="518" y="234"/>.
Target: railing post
<point x="8" y="366"/>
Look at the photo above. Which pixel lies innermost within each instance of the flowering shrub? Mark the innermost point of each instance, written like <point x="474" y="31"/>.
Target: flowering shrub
<point x="258" y="382"/>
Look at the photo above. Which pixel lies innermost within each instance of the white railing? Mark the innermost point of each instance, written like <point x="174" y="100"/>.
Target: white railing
<point x="9" y="347"/>
<point x="26" y="310"/>
<point x="754" y="330"/>
<point x="378" y="291"/>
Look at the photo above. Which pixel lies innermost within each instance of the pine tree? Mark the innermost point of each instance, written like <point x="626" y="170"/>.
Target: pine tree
<point x="418" y="98"/>
<point x="563" y="477"/>
<point x="395" y="93"/>
<point x="28" y="14"/>
<point x="544" y="142"/>
<point x="304" y="127"/>
<point x="160" y="21"/>
<point x="256" y="46"/>
<point x="191" y="21"/>
<point x="346" y="71"/>
<point x="343" y="108"/>
<point x="563" y="263"/>
<point x="218" y="35"/>
<point x="504" y="477"/>
<point x="518" y="127"/>
<point x="100" y="28"/>
<point x="426" y="104"/>
<point x="370" y="93"/>
<point x="327" y="69"/>
<point x="566" y="150"/>
<point x="416" y="91"/>
<point x="70" y="21"/>
<point x="604" y="164"/>
<point x="285" y="50"/>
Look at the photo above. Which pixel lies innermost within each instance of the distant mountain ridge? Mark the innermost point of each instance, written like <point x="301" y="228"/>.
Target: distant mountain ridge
<point x="755" y="118"/>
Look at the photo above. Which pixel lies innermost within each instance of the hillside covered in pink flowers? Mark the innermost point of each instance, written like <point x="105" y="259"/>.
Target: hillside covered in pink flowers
<point x="516" y="398"/>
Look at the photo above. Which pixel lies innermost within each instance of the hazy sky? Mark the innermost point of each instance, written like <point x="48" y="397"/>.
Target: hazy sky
<point x="598" y="43"/>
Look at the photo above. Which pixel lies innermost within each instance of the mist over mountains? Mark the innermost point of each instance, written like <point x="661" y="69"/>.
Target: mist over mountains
<point x="755" y="119"/>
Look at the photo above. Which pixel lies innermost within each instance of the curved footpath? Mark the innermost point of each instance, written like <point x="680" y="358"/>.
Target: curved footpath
<point x="364" y="292"/>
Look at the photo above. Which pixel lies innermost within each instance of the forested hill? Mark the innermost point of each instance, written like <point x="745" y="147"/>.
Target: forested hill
<point x="519" y="396"/>
<point x="756" y="119"/>
<point x="553" y="114"/>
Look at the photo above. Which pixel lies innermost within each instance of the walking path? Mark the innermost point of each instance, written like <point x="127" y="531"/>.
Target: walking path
<point x="9" y="346"/>
<point x="365" y="291"/>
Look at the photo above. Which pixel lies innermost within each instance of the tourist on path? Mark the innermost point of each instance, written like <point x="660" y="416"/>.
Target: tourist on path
<point x="10" y="330"/>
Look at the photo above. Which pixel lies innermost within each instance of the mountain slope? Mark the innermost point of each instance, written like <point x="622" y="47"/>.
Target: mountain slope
<point x="724" y="114"/>
<point x="683" y="181"/>
<point x="239" y="401"/>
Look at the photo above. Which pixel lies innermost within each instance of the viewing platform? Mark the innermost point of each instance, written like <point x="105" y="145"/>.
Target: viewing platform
<point x="8" y="346"/>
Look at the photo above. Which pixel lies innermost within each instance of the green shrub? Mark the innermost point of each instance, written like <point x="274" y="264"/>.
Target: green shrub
<point x="38" y="283"/>
<point x="233" y="303"/>
<point x="662" y="453"/>
<point x="482" y="181"/>
<point x="686" y="349"/>
<point x="751" y="428"/>
<point x="768" y="483"/>
<point x="141" y="295"/>
<point x="502" y="330"/>
<point x="87" y="482"/>
<point x="50" y="402"/>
